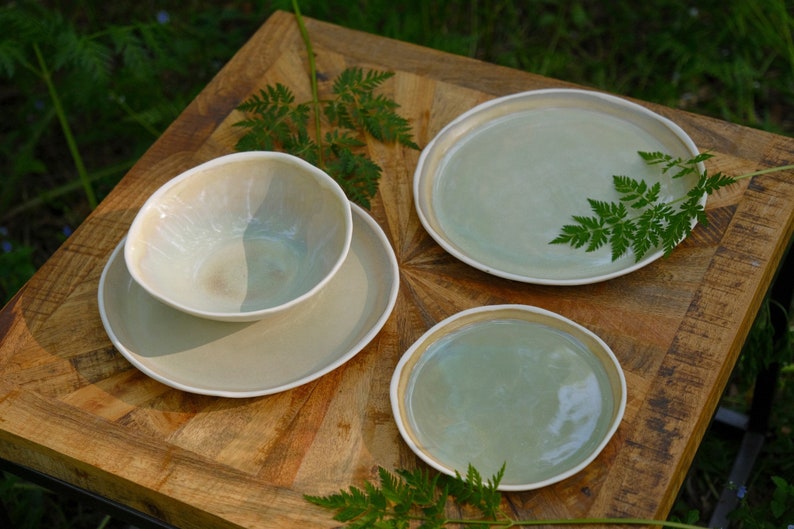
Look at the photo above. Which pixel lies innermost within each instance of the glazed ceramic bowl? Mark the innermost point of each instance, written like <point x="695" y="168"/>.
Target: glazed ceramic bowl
<point x="241" y="237"/>
<point x="509" y="385"/>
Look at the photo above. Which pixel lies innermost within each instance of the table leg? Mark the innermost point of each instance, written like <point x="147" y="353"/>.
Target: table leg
<point x="756" y="422"/>
<point x="114" y="509"/>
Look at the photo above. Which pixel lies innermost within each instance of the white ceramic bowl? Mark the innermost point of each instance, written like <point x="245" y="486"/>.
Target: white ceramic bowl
<point x="241" y="237"/>
<point x="513" y="385"/>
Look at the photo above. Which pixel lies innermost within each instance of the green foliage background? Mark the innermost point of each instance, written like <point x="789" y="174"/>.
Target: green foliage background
<point x="86" y="86"/>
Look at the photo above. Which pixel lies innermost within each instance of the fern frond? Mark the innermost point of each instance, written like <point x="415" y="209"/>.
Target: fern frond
<point x="653" y="222"/>
<point x="384" y="124"/>
<point x="636" y="192"/>
<point x="709" y="184"/>
<point x="20" y="28"/>
<point x="473" y="490"/>
<point x="129" y="46"/>
<point x="269" y="98"/>
<point x="357" y="174"/>
<point x="590" y="231"/>
<point x="10" y="57"/>
<point x="355" y="80"/>
<point x="89" y="55"/>
<point x="155" y="38"/>
<point x="343" y="139"/>
<point x="274" y="121"/>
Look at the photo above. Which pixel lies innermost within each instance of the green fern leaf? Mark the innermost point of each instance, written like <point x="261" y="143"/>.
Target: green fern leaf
<point x="715" y="182"/>
<point x="653" y="222"/>
<point x="89" y="55"/>
<point x="423" y="486"/>
<point x="590" y="231"/>
<point x="20" y="29"/>
<point x="274" y="122"/>
<point x="620" y="236"/>
<point x="156" y="38"/>
<point x="678" y="228"/>
<point x="655" y="157"/>
<point x="609" y="212"/>
<point x="357" y="174"/>
<point x="354" y="80"/>
<point x="10" y="56"/>
<point x="650" y="228"/>
<point x="473" y="490"/>
<point x="636" y="192"/>
<point x="343" y="139"/>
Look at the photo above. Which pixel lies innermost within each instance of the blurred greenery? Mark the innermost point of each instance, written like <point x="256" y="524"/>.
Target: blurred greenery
<point x="87" y="86"/>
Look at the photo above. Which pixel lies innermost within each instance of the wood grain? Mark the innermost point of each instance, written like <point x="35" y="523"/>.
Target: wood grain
<point x="71" y="406"/>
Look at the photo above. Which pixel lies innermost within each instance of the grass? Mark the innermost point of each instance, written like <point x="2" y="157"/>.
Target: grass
<point x="88" y="86"/>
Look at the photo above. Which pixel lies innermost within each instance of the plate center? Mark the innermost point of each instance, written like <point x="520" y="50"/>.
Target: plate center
<point x="507" y="188"/>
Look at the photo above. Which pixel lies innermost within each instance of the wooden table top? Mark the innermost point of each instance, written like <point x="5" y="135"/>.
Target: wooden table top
<point x="71" y="406"/>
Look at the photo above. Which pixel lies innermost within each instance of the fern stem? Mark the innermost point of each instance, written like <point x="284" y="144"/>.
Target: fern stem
<point x="68" y="187"/>
<point x="66" y="129"/>
<point x="765" y="171"/>
<point x="133" y="116"/>
<point x="104" y="523"/>
<point x="313" y="78"/>
<point x="746" y="175"/>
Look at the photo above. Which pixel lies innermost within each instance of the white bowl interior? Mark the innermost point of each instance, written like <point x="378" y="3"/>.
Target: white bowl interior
<point x="240" y="236"/>
<point x="513" y="385"/>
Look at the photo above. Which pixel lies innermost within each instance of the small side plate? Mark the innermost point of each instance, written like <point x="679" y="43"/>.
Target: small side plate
<point x="513" y="385"/>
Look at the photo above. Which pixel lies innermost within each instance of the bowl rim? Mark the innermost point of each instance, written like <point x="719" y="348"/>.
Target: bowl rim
<point x="411" y="357"/>
<point x="319" y="175"/>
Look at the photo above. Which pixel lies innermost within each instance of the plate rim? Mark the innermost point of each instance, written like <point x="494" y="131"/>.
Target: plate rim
<point x="479" y="264"/>
<point x="367" y="335"/>
<point x="397" y="401"/>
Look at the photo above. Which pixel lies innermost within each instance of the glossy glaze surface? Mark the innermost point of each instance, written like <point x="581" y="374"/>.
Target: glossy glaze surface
<point x="248" y="359"/>
<point x="240" y="237"/>
<point x="496" y="185"/>
<point x="509" y="385"/>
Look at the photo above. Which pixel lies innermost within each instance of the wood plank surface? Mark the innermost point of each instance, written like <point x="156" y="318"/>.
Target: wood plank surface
<point x="73" y="407"/>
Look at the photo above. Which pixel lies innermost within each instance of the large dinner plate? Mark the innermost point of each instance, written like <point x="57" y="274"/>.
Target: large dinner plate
<point x="497" y="184"/>
<point x="250" y="359"/>
<point x="509" y="385"/>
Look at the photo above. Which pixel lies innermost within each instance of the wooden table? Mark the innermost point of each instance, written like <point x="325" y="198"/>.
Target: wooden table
<point x="72" y="407"/>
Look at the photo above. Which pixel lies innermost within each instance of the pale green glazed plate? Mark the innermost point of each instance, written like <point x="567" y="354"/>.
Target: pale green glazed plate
<point x="497" y="184"/>
<point x="513" y="385"/>
<point x="232" y="359"/>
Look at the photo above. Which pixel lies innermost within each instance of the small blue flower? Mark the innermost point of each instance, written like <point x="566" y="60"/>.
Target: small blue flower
<point x="67" y="230"/>
<point x="163" y="17"/>
<point x="741" y="492"/>
<point x="6" y="246"/>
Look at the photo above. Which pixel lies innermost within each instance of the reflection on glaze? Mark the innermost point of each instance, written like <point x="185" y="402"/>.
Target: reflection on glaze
<point x="510" y="390"/>
<point x="244" y="236"/>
